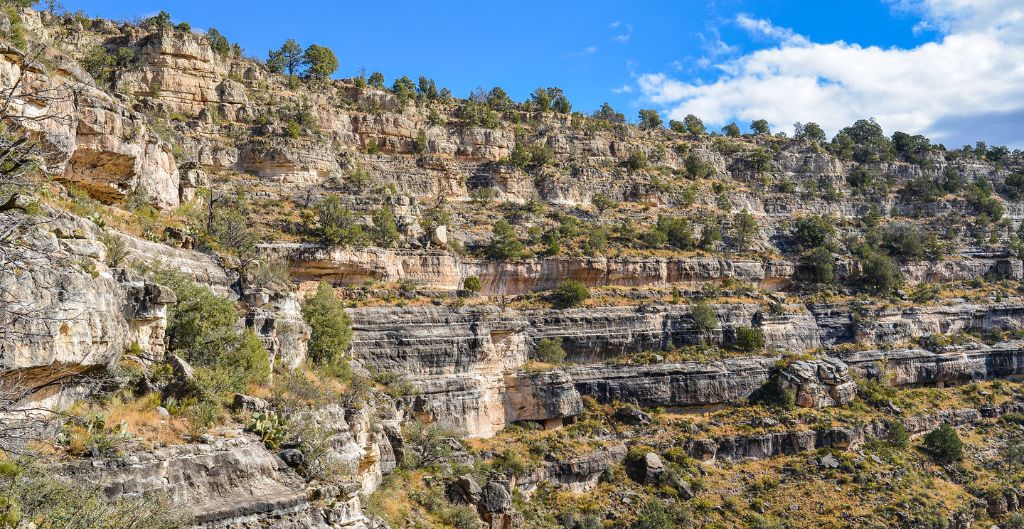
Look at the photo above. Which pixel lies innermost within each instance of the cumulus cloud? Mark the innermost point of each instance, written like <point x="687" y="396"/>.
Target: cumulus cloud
<point x="974" y="68"/>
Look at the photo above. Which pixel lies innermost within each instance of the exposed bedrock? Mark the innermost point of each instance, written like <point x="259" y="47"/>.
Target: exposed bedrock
<point x="64" y="312"/>
<point x="578" y="474"/>
<point x="445" y="271"/>
<point x="441" y="270"/>
<point x="236" y="482"/>
<point x="766" y="445"/>
<point x="467" y="363"/>
<point x="88" y="137"/>
<point x="686" y="384"/>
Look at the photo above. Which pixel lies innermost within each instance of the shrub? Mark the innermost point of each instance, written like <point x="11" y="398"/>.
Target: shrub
<point x="944" y="445"/>
<point x="218" y="42"/>
<point x="504" y="244"/>
<point x="331" y="327"/>
<point x="771" y="393"/>
<point x="731" y="130"/>
<point x="863" y="142"/>
<point x="550" y="351"/>
<point x="704" y="319"/>
<point x="385" y="229"/>
<point x="404" y="89"/>
<point x="425" y="444"/>
<point x="570" y="293"/>
<point x="200" y="324"/>
<point x="897" y="435"/>
<point x="650" y="119"/>
<point x="818" y="265"/>
<point x="656" y="514"/>
<point x="636" y="161"/>
<point x="760" y="127"/>
<point x="335" y="223"/>
<point x="879" y="274"/>
<point x="472" y="284"/>
<point x="905" y="242"/>
<point x="603" y="202"/>
<point x="749" y="339"/>
<point x="33" y="494"/>
<point x="678" y="233"/>
<point x="744" y="228"/>
<point x="814" y="231"/>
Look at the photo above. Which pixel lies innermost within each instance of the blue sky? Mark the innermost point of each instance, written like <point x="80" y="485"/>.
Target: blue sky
<point x="786" y="61"/>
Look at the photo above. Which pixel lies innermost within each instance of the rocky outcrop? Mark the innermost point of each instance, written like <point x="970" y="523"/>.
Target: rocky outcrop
<point x="64" y="312"/>
<point x="465" y="363"/>
<point x="818" y="384"/>
<point x="772" y="444"/>
<point x="577" y="474"/>
<point x="446" y="271"/>
<point x="148" y="321"/>
<point x="197" y="266"/>
<point x="90" y="138"/>
<point x="547" y="397"/>
<point x="221" y="482"/>
<point x="673" y="385"/>
<point x="907" y="367"/>
<point x="278" y="321"/>
<point x="235" y="482"/>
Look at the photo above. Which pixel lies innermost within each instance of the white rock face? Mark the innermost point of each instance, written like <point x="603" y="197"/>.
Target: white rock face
<point x="64" y="312"/>
<point x="90" y="138"/>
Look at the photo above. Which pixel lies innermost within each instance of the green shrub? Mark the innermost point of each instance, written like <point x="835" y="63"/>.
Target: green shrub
<point x="771" y="393"/>
<point x="879" y="274"/>
<point x="335" y="224"/>
<point x="425" y="444"/>
<point x="678" y="232"/>
<point x="200" y="324"/>
<point x="549" y="350"/>
<point x="944" y="445"/>
<point x="749" y="339"/>
<point x="657" y="514"/>
<point x="704" y="319"/>
<point x="504" y="244"/>
<point x="897" y="435"/>
<point x="813" y="232"/>
<point x="385" y="228"/>
<point x="472" y="284"/>
<point x="32" y="495"/>
<point x="637" y="161"/>
<point x="570" y="293"/>
<point x="331" y="327"/>
<point x="818" y="265"/>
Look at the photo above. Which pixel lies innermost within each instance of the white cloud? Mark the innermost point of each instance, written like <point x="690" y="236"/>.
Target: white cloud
<point x="624" y="89"/>
<point x="974" y="68"/>
<point x="626" y="35"/>
<point x="589" y="50"/>
<point x="764" y="28"/>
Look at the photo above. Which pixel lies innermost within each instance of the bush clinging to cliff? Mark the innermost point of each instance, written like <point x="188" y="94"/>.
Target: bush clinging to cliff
<point x="570" y="293"/>
<point x="331" y="325"/>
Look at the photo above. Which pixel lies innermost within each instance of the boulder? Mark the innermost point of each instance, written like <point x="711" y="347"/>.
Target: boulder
<point x="631" y="415"/>
<point x="464" y="490"/>
<point x="292" y="457"/>
<point x="645" y="469"/>
<point x="248" y="403"/>
<point x="495" y="498"/>
<point x="183" y="378"/>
